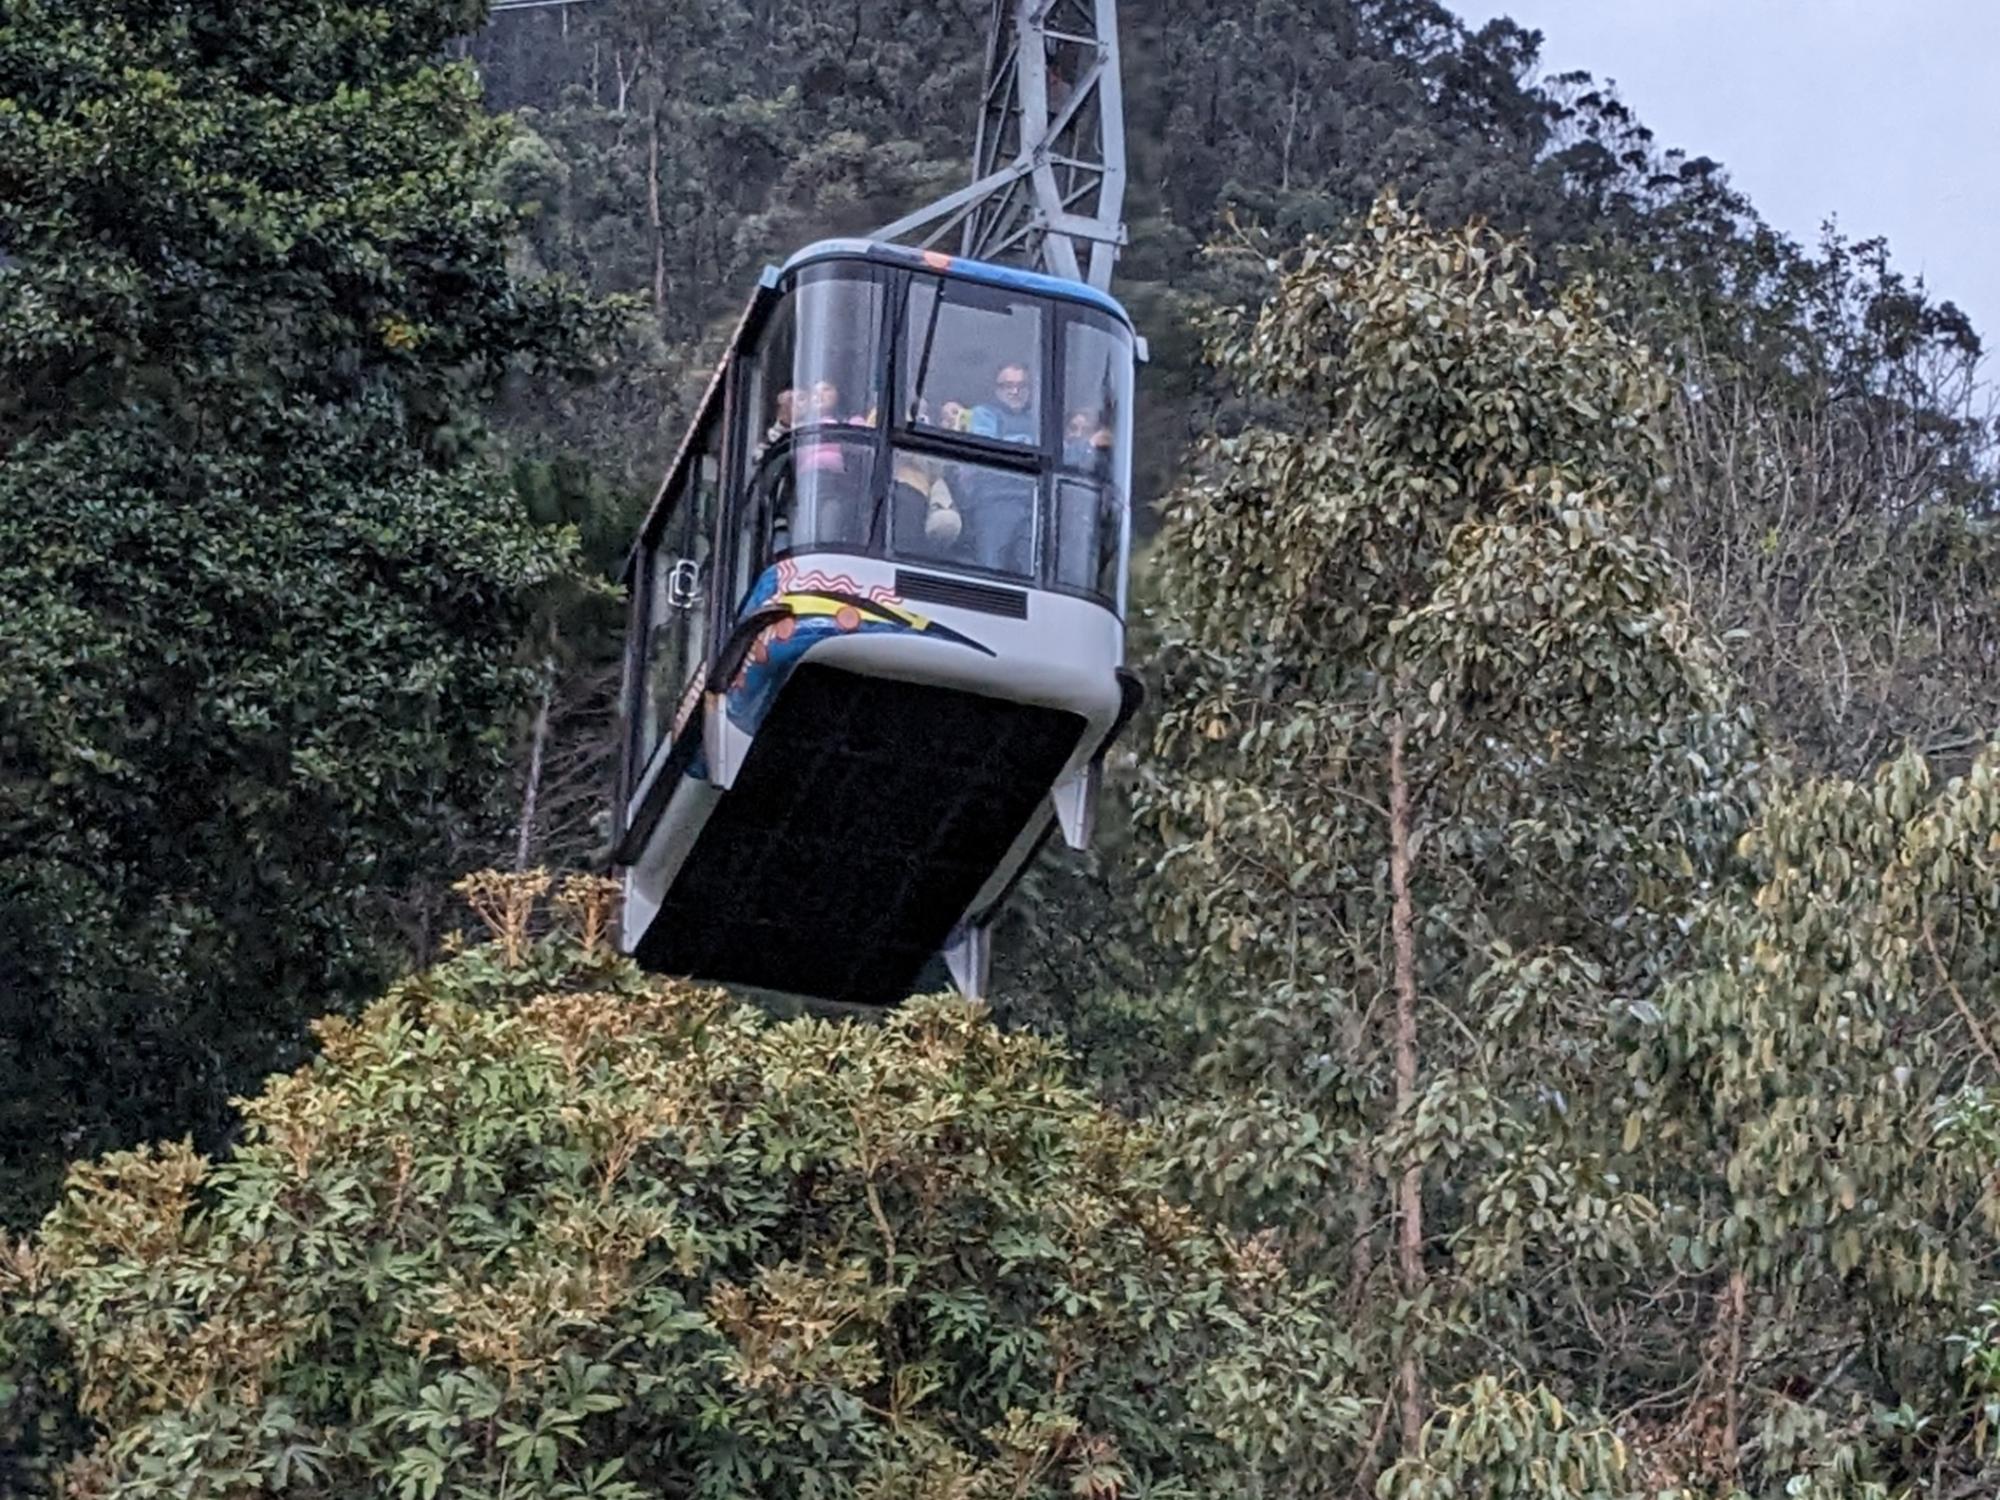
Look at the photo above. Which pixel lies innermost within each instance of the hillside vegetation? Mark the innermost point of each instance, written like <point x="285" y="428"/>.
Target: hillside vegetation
<point x="538" y="1225"/>
<point x="1531" y="1027"/>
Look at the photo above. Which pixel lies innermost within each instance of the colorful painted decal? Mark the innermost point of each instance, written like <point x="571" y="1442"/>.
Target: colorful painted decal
<point x="814" y="607"/>
<point x="789" y="580"/>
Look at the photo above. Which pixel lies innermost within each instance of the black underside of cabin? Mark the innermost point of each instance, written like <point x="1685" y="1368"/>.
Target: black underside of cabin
<point x="863" y="822"/>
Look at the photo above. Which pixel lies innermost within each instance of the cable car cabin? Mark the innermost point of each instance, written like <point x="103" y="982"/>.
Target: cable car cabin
<point x="877" y="638"/>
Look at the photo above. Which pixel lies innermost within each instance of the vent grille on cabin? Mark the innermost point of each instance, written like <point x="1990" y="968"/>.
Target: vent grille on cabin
<point x="962" y="593"/>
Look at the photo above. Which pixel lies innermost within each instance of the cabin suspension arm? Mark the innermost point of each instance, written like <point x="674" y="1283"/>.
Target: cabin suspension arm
<point x="1048" y="176"/>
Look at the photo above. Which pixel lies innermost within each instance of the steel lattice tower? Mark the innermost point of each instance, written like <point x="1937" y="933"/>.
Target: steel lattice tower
<point x="1048" y="174"/>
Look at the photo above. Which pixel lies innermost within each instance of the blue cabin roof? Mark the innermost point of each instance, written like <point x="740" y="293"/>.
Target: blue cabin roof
<point x="1011" y="277"/>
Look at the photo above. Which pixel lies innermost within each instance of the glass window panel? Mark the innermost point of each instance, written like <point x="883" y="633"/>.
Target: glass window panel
<point x="837" y="364"/>
<point x="835" y="494"/>
<point x="698" y="548"/>
<point x="752" y="525"/>
<point x="645" y="728"/>
<point x="812" y="494"/>
<point x="769" y="396"/>
<point x="818" y="361"/>
<point x="667" y="580"/>
<point x="928" y="509"/>
<point x="1097" y="398"/>
<point x="1089" y="538"/>
<point x="633" y="705"/>
<point x="663" y="665"/>
<point x="963" y="515"/>
<point x="677" y="579"/>
<point x="972" y="362"/>
<point x="1091" y="523"/>
<point x="812" y="399"/>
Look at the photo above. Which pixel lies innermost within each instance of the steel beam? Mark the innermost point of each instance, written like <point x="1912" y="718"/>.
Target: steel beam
<point x="1048" y="176"/>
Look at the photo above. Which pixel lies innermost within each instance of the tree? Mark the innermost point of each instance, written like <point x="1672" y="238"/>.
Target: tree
<point x="260" y="601"/>
<point x="1653" y="1165"/>
<point x="1442" y="763"/>
<point x="217" y="219"/>
<point x="1835" y="488"/>
<point x="1820" y="1100"/>
<point x="539" y="1225"/>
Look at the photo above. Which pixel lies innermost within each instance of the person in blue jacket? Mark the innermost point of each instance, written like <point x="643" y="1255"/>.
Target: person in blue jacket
<point x="1003" y="503"/>
<point x="1011" y="416"/>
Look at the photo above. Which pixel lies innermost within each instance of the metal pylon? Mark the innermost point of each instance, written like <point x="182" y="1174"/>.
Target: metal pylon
<point x="1048" y="170"/>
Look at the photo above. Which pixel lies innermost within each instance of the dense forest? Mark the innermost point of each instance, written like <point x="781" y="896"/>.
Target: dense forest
<point x="1530" y="1027"/>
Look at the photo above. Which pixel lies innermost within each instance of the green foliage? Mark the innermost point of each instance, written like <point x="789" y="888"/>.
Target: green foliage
<point x="1825" y="1079"/>
<point x="680" y="145"/>
<point x="1834" y="491"/>
<point x="259" y="607"/>
<point x="1565" y="1151"/>
<point x="1442" y="765"/>
<point x="244" y="694"/>
<point x="1589" y="1103"/>
<point x="702" y="137"/>
<point x="1458" y="560"/>
<point x="554" y="1229"/>
<point x="215" y="216"/>
<point x="1836" y="1037"/>
<point x="1504" y="1443"/>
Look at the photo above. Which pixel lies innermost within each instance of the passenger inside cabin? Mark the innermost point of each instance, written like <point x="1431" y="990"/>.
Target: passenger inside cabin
<point x="786" y="415"/>
<point x="923" y="499"/>
<point x="829" y="505"/>
<point x="821" y="408"/>
<point x="826" y="402"/>
<point x="1001" y="506"/>
<point x="827" y="408"/>
<point x="1011" y="417"/>
<point x="1087" y="442"/>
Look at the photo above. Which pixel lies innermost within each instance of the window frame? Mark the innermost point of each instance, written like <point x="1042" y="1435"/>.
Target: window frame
<point x="684" y="488"/>
<point x="724" y="400"/>
<point x="892" y="430"/>
<point x="744" y="466"/>
<point x="1051" y="313"/>
<point x="1077" y="314"/>
<point x="1044" y="460"/>
<point x="900" y="430"/>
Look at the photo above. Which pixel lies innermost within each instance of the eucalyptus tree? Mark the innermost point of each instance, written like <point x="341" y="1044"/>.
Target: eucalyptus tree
<point x="1821" y="1095"/>
<point x="1442" y="764"/>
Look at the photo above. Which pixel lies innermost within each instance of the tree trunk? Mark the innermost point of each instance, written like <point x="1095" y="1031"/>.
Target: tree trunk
<point x="656" y="217"/>
<point x="1733" y="1311"/>
<point x="524" y="842"/>
<point x="1410" y="1192"/>
<point x="1291" y="136"/>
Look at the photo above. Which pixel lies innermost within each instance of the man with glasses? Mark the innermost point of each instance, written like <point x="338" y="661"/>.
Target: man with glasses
<point x="1003" y="504"/>
<point x="1011" y="416"/>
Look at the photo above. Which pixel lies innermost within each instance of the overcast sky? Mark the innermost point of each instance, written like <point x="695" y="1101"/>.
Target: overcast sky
<point x="1884" y="113"/>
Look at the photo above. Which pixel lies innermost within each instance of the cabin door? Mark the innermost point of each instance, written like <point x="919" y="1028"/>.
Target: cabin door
<point x="679" y="582"/>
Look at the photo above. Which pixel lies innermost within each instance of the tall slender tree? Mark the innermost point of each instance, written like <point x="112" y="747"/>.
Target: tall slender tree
<point x="1442" y="762"/>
